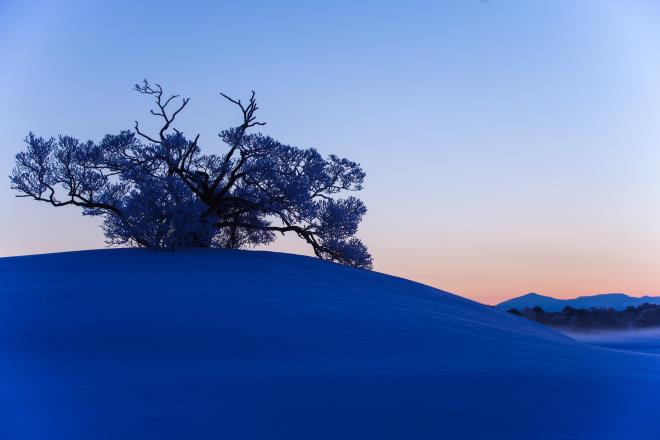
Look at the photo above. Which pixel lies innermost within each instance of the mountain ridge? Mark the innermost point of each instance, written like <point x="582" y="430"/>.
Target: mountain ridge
<point x="617" y="301"/>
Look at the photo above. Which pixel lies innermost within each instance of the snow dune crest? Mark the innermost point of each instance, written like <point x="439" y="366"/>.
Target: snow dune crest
<point x="237" y="344"/>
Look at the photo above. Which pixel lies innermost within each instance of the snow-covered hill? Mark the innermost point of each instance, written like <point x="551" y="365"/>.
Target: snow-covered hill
<point x="132" y="344"/>
<point x="617" y="301"/>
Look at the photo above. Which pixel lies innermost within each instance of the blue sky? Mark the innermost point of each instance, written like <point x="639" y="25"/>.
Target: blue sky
<point x="509" y="146"/>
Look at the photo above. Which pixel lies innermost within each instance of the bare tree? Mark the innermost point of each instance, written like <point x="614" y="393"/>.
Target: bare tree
<point x="161" y="191"/>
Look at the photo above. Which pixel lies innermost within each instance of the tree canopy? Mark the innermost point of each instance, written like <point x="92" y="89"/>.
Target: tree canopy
<point x="160" y="191"/>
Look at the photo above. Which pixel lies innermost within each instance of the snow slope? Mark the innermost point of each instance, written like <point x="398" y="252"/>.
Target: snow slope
<point x="133" y="344"/>
<point x="617" y="301"/>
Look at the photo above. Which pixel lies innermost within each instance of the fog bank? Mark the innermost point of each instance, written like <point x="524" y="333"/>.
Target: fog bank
<point x="640" y="340"/>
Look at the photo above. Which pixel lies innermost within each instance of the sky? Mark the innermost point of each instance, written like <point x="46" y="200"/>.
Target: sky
<point x="510" y="147"/>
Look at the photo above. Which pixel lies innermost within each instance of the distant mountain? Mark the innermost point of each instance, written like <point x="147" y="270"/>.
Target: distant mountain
<point x="617" y="301"/>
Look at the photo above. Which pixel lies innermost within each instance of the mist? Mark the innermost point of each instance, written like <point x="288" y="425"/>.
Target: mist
<point x="640" y="340"/>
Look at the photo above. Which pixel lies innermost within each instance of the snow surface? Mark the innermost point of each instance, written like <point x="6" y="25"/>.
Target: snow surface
<point x="134" y="344"/>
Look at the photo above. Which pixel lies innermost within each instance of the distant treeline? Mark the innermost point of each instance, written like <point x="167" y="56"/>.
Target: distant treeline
<point x="642" y="316"/>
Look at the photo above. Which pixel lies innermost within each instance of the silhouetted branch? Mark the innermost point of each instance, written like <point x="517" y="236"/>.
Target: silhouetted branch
<point x="249" y="120"/>
<point x="157" y="91"/>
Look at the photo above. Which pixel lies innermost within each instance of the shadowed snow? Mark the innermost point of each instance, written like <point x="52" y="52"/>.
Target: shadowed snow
<point x="234" y="344"/>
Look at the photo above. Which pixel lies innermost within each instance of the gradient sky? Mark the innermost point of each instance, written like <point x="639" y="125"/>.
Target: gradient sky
<point x="509" y="146"/>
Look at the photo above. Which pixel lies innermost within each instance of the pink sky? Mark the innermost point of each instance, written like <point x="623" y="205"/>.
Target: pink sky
<point x="509" y="146"/>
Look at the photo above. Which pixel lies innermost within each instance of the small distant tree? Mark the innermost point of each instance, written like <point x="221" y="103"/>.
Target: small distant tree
<point x="160" y="191"/>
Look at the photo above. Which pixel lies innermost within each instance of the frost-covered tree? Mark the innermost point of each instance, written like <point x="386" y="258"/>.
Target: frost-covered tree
<point x="161" y="191"/>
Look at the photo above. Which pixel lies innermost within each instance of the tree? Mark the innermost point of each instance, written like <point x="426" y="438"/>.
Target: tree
<point x="160" y="191"/>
